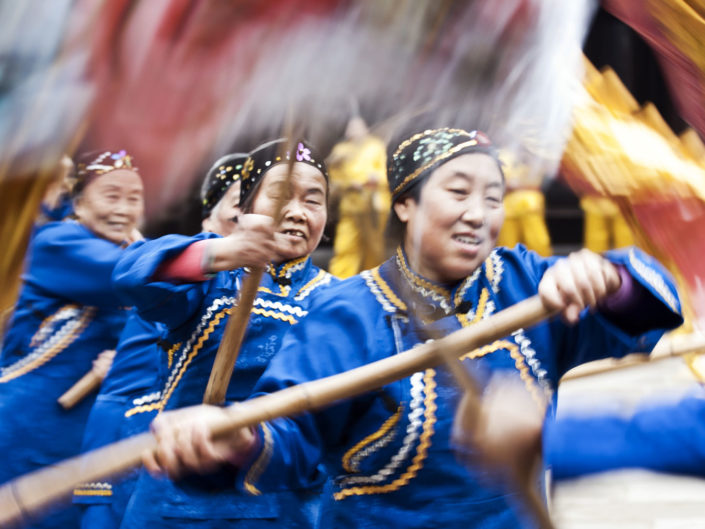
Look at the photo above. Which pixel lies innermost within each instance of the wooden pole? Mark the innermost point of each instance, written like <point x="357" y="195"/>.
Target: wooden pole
<point x="24" y="498"/>
<point x="229" y="348"/>
<point x="86" y="385"/>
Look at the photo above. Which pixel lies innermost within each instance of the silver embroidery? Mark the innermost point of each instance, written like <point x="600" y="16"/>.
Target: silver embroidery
<point x="277" y="305"/>
<point x="304" y="292"/>
<point x="416" y="412"/>
<point x="49" y="337"/>
<point x="372" y="285"/>
<point x="655" y="279"/>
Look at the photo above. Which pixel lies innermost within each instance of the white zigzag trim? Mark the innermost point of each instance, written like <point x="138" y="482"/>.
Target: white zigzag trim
<point x="372" y="285"/>
<point x="50" y="336"/>
<point x="303" y="293"/>
<point x="416" y="412"/>
<point x="277" y="305"/>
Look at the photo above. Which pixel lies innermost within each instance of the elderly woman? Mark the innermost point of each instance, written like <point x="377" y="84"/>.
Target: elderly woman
<point x="190" y="284"/>
<point x="389" y="452"/>
<point x="142" y="353"/>
<point x="67" y="314"/>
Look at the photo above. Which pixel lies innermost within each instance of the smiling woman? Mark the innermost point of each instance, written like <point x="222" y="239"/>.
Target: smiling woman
<point x="190" y="284"/>
<point x="390" y="452"/>
<point x="66" y="315"/>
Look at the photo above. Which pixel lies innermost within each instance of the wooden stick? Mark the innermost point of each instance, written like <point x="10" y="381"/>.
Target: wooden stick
<point x="86" y="385"/>
<point x="234" y="333"/>
<point x="229" y="348"/>
<point x="26" y="496"/>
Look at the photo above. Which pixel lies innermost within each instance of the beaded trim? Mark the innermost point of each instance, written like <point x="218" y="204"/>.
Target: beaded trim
<point x="421" y="451"/>
<point x="93" y="489"/>
<point x="190" y="350"/>
<point x="322" y="278"/>
<point x="376" y="440"/>
<point x="423" y="286"/>
<point x="262" y="461"/>
<point x="416" y="411"/>
<point x="49" y="341"/>
<point x="382" y="291"/>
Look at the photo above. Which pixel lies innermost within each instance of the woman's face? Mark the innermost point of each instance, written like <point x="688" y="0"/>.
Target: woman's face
<point x="223" y="217"/>
<point x="111" y="205"/>
<point x="454" y="226"/>
<point x="304" y="214"/>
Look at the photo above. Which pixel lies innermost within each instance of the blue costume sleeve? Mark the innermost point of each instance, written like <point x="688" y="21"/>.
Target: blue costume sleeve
<point x="291" y="448"/>
<point x="87" y="263"/>
<point x="666" y="438"/>
<point x="600" y="334"/>
<point x="162" y="301"/>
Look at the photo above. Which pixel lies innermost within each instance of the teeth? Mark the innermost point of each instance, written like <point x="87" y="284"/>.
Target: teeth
<point x="466" y="240"/>
<point x="295" y="233"/>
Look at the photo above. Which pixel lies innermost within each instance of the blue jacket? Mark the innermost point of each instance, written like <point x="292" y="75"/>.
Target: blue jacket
<point x="388" y="452"/>
<point x="196" y="314"/>
<point x="134" y="373"/>
<point x="67" y="313"/>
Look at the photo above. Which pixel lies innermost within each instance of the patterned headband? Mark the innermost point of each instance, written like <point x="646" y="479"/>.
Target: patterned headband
<point x="418" y="156"/>
<point x="274" y="153"/>
<point x="91" y="165"/>
<point x="224" y="172"/>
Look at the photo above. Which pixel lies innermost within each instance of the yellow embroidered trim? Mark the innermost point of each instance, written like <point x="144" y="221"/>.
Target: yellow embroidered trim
<point x="441" y="157"/>
<point x="319" y="277"/>
<point x="262" y="461"/>
<point x="275" y="315"/>
<point x="80" y="492"/>
<point x="265" y="289"/>
<point x="53" y="351"/>
<point x="170" y="354"/>
<point x="388" y="425"/>
<point x="159" y="405"/>
<point x="519" y="363"/>
<point x="291" y="264"/>
<point x="481" y="305"/>
<point x="421" y="452"/>
<point x="418" y="280"/>
<point x="386" y="290"/>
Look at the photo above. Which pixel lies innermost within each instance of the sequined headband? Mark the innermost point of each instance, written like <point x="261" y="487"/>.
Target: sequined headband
<point x="273" y="153"/>
<point x="224" y="172"/>
<point x="418" y="156"/>
<point x="92" y="165"/>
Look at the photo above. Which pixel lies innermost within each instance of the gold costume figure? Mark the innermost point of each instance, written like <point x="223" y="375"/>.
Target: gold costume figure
<point x="357" y="168"/>
<point x="604" y="226"/>
<point x="524" y="208"/>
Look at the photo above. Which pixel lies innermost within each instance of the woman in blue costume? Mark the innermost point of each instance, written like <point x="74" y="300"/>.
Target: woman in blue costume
<point x="66" y="315"/>
<point x="142" y="353"/>
<point x="167" y="280"/>
<point x="389" y="452"/>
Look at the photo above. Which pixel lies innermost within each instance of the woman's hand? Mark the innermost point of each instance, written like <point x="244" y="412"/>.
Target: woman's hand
<point x="503" y="430"/>
<point x="578" y="281"/>
<point x="185" y="445"/>
<point x="250" y="244"/>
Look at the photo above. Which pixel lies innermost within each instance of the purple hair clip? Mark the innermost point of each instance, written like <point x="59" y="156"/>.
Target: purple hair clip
<point x="303" y="153"/>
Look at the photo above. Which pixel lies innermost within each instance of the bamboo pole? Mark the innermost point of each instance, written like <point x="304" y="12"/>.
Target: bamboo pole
<point x="24" y="498"/>
<point x="229" y="348"/>
<point x="86" y="385"/>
